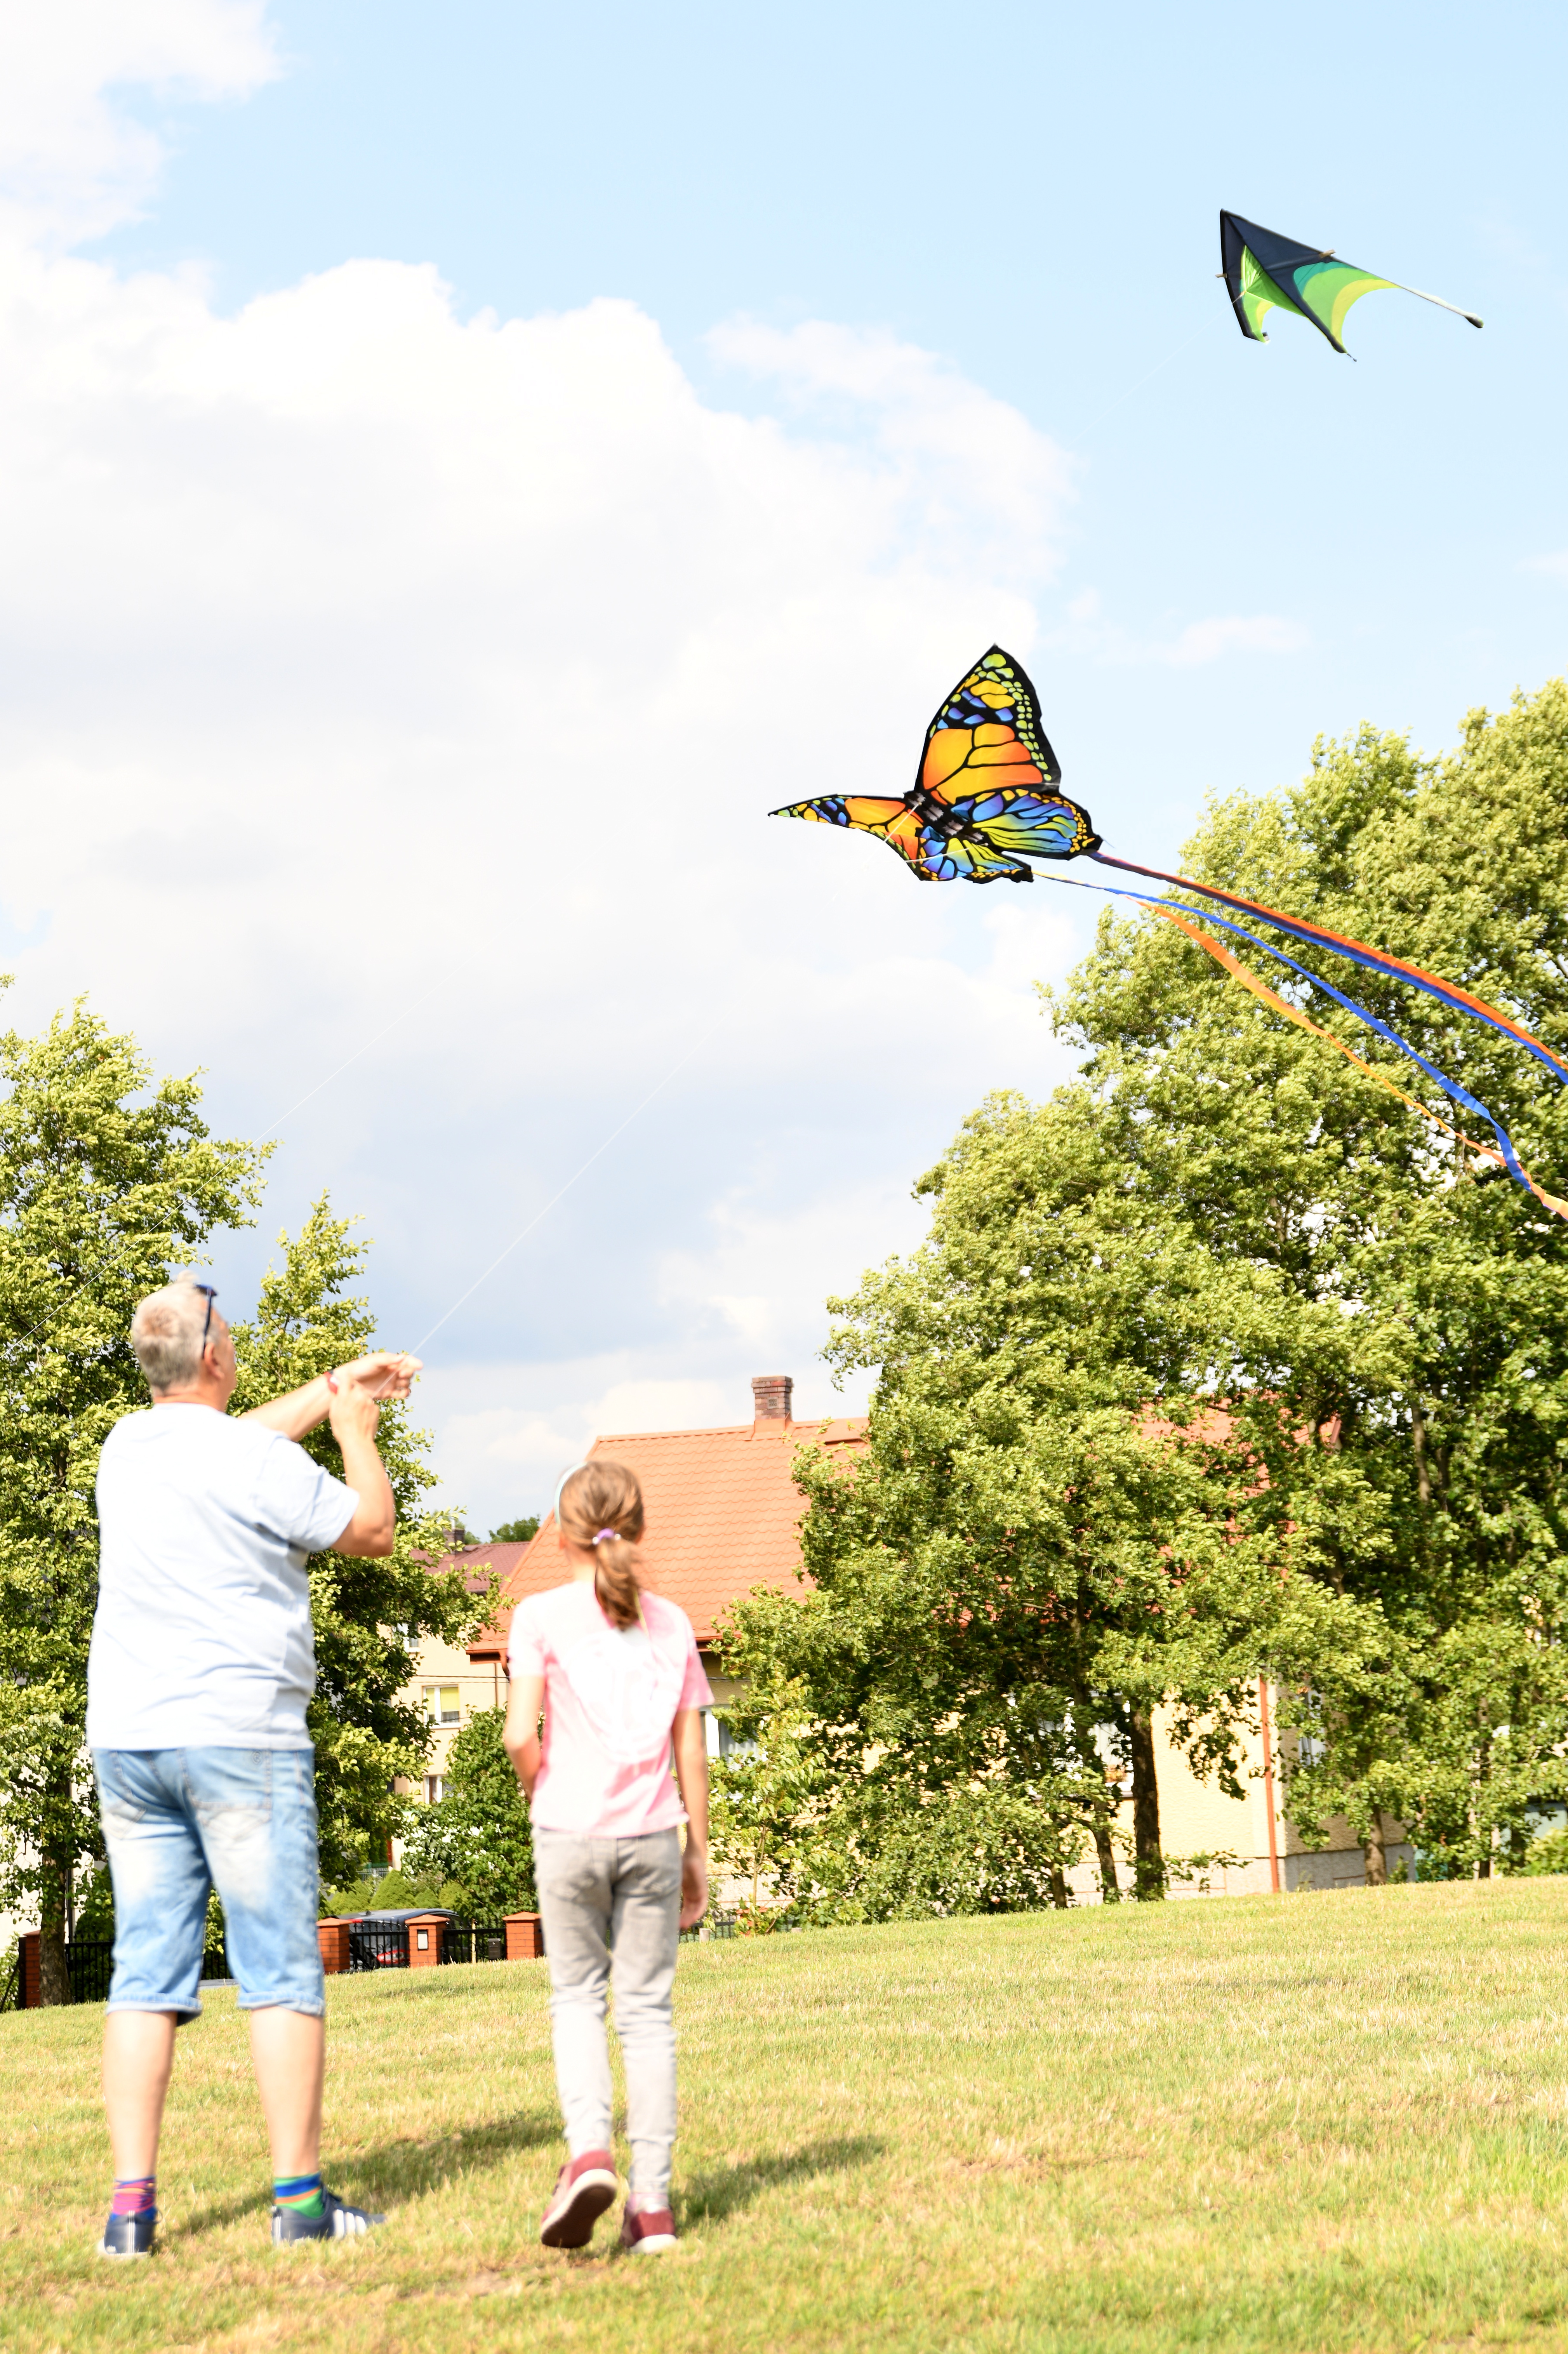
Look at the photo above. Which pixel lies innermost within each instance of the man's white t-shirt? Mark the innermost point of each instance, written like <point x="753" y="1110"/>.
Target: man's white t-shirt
<point x="203" y="1633"/>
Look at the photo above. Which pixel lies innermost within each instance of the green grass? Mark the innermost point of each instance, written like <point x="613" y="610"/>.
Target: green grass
<point x="1316" y="2122"/>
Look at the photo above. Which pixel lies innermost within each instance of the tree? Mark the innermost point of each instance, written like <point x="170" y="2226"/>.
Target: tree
<point x="1039" y="1547"/>
<point x="516" y="1531"/>
<point x="1396" y="1348"/>
<point x="477" y="1833"/>
<point x="368" y="1615"/>
<point x="107" y="1182"/>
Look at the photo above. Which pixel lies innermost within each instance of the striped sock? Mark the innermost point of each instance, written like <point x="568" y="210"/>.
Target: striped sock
<point x="134" y="2194"/>
<point x="301" y="2193"/>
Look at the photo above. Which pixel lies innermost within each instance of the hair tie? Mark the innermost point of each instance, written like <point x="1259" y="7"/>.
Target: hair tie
<point x="604" y="1533"/>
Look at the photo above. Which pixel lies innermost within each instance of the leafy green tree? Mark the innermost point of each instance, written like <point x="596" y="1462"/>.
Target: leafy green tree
<point x="1040" y="1547"/>
<point x="368" y="1615"/>
<point x="1393" y="1350"/>
<point x="516" y="1531"/>
<point x="108" y="1180"/>
<point x="477" y="1835"/>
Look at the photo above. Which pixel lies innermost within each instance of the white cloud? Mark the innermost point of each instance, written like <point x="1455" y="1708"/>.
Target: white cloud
<point x="72" y="162"/>
<point x="1090" y="636"/>
<point x="366" y="661"/>
<point x="1231" y="634"/>
<point x="1555" y="567"/>
<point x="961" y="460"/>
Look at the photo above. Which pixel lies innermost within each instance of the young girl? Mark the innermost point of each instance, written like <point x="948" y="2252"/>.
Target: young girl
<point x="617" y="1672"/>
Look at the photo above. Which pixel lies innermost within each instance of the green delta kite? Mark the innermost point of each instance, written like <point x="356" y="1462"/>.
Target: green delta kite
<point x="1263" y="272"/>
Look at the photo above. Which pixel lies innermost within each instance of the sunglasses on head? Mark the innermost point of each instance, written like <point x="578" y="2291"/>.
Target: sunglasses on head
<point x="211" y="1291"/>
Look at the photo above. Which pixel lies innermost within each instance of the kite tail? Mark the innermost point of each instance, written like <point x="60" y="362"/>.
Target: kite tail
<point x="1501" y="1156"/>
<point x="1449" y="1087"/>
<point x="1374" y="960"/>
<point x="1505" y="1151"/>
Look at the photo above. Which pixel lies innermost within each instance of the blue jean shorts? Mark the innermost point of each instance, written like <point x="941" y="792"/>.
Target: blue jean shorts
<point x="177" y="1822"/>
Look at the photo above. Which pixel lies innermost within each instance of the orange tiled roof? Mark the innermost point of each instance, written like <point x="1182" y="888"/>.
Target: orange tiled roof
<point x="723" y="1515"/>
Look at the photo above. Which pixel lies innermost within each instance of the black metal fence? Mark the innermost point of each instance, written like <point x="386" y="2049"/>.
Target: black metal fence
<point x="473" y="1941"/>
<point x="377" y="1946"/>
<point x="372" y="1945"/>
<point x="712" y="1924"/>
<point x="384" y="1945"/>
<point x="89" y="1962"/>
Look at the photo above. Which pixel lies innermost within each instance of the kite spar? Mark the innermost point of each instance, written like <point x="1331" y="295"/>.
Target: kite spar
<point x="1265" y="271"/>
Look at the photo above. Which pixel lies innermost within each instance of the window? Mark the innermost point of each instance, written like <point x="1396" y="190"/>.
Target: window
<point x="435" y="1789"/>
<point x="441" y="1704"/>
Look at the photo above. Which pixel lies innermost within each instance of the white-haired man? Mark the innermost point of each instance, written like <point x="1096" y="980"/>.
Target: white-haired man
<point x="202" y="1663"/>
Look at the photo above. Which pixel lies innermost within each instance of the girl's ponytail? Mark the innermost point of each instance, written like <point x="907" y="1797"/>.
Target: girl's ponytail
<point x="599" y="1509"/>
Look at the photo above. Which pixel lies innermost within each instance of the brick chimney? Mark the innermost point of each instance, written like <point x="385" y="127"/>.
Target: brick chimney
<point x="771" y="1394"/>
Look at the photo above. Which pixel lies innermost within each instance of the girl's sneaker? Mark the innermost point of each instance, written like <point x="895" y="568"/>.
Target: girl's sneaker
<point x="650" y="2233"/>
<point x="584" y="2188"/>
<point x="129" y="2235"/>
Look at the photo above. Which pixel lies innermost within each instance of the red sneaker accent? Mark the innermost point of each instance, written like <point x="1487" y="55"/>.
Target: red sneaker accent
<point x="584" y="2188"/>
<point x="650" y="2233"/>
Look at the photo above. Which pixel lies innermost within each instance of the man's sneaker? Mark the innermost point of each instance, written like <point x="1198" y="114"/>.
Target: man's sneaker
<point x="129" y="2235"/>
<point x="650" y="2233"/>
<point x="336" y="2221"/>
<point x="584" y="2188"/>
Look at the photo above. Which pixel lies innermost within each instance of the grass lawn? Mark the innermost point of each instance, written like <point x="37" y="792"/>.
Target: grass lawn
<point x="1297" y="2123"/>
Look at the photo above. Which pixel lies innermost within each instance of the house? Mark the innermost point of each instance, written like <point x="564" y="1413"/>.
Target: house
<point x="724" y="1516"/>
<point x="448" y="1686"/>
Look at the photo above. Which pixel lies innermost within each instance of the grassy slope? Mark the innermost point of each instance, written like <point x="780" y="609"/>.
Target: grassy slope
<point x="1331" y="2121"/>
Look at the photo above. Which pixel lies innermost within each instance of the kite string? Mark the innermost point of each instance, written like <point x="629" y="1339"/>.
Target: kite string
<point x="320" y="1084"/>
<point x="833" y="905"/>
<point x="597" y="1155"/>
<point x="1136" y="386"/>
<point x="106" y="1266"/>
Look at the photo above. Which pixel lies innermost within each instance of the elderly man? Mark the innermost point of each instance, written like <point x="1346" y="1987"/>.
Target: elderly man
<point x="201" y="1665"/>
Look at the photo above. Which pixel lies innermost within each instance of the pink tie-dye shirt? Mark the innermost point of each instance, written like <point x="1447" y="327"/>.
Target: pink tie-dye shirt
<point x="611" y="1698"/>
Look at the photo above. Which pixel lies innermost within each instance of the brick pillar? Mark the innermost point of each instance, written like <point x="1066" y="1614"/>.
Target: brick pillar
<point x="425" y="1940"/>
<point x="30" y="1985"/>
<point x="772" y="1397"/>
<point x="524" y="1937"/>
<point x="333" y="1938"/>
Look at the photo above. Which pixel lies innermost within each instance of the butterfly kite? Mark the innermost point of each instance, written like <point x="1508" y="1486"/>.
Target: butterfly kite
<point x="1263" y="271"/>
<point x="984" y="800"/>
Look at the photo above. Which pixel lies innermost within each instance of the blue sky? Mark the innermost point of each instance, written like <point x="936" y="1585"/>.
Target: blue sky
<point x="936" y="299"/>
<point x="1037" y="201"/>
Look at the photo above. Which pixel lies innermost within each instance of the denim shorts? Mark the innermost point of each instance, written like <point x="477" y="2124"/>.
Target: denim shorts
<point x="177" y="1822"/>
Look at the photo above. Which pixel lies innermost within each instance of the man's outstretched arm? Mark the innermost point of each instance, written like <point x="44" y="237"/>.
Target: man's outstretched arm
<point x="384" y="1374"/>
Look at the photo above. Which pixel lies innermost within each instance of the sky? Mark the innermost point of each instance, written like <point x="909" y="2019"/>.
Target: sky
<point x="460" y="468"/>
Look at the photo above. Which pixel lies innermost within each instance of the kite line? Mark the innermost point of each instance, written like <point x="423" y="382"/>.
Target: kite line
<point x="107" y="1266"/>
<point x="597" y="1155"/>
<point x="331" y="1075"/>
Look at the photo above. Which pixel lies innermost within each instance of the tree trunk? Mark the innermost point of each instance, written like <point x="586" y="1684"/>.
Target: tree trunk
<point x="54" y="1979"/>
<point x="1372" y="1847"/>
<point x="1058" y="1888"/>
<point x="1149" y="1864"/>
<point x="1104" y="1856"/>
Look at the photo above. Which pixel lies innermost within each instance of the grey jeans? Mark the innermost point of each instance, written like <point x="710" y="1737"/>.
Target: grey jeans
<point x="596" y="1893"/>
